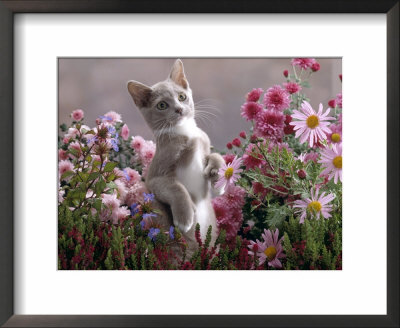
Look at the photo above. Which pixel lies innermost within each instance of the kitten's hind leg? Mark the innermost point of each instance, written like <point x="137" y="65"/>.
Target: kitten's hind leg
<point x="170" y="191"/>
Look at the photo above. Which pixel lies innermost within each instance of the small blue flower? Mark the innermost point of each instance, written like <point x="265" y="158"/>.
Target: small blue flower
<point x="153" y="233"/>
<point x="127" y="177"/>
<point x="148" y="197"/>
<point x="171" y="232"/>
<point x="134" y="209"/>
<point x="114" y="143"/>
<point x="111" y="130"/>
<point x="148" y="215"/>
<point x="107" y="118"/>
<point x="142" y="223"/>
<point x="92" y="140"/>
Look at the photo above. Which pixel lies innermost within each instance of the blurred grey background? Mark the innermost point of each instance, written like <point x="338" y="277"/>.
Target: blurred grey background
<point x="99" y="85"/>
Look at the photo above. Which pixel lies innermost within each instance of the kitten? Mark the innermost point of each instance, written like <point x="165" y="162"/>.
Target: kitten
<point x="183" y="169"/>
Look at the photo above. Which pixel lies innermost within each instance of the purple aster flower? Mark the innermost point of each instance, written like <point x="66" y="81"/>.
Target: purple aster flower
<point x="153" y="233"/>
<point x="171" y="232"/>
<point x="148" y="197"/>
<point x="134" y="209"/>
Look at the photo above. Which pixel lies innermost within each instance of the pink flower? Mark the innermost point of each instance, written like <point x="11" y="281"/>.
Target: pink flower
<point x="315" y="206"/>
<point x="270" y="124"/>
<point x="130" y="176"/>
<point x="311" y="156"/>
<point x="125" y="132"/>
<point x="311" y="125"/>
<point x="111" y="117"/>
<point x="229" y="173"/>
<point x="77" y="114"/>
<point x="137" y="143"/>
<point x="252" y="157"/>
<point x="315" y="67"/>
<point x="62" y="154"/>
<point x="331" y="160"/>
<point x="122" y="191"/>
<point x="110" y="201"/>
<point x="254" y="95"/>
<point x="228" y="158"/>
<point x="64" y="166"/>
<point x="285" y="73"/>
<point x="277" y="98"/>
<point x="135" y="193"/>
<point x="270" y="250"/>
<point x="292" y="87"/>
<point x="304" y="63"/>
<point x="236" y="142"/>
<point x="243" y="135"/>
<point x="332" y="103"/>
<point x="228" y="211"/>
<point x="119" y="214"/>
<point x="339" y="100"/>
<point x="250" y="110"/>
<point x="336" y="135"/>
<point x="147" y="152"/>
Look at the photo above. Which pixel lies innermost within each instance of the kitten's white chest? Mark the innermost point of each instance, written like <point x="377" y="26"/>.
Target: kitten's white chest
<point x="191" y="175"/>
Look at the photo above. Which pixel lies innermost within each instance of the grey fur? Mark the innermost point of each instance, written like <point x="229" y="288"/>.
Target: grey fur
<point x="183" y="169"/>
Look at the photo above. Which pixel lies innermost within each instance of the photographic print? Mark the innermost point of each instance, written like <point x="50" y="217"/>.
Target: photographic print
<point x="200" y="164"/>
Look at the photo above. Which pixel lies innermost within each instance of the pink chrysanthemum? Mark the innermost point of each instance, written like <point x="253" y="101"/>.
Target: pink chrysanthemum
<point x="311" y="156"/>
<point x="229" y="173"/>
<point x="111" y="117"/>
<point x="304" y="63"/>
<point x="339" y="100"/>
<point x="254" y="95"/>
<point x="270" y="250"/>
<point x="135" y="193"/>
<point x="270" y="124"/>
<point x="252" y="157"/>
<point x="276" y="98"/>
<point x="62" y="154"/>
<point x="125" y="132"/>
<point x="336" y="135"/>
<point x="311" y="125"/>
<point x="331" y="160"/>
<point x="292" y="87"/>
<point x="137" y="143"/>
<point x="315" y="206"/>
<point x="77" y="114"/>
<point x="234" y="197"/>
<point x="64" y="166"/>
<point x="147" y="152"/>
<point x="228" y="158"/>
<point x="122" y="191"/>
<point x="250" y="110"/>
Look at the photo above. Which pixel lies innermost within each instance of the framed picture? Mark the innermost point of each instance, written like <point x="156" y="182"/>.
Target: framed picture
<point x="71" y="71"/>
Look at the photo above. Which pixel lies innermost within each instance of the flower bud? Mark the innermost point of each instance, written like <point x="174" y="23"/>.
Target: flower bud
<point x="285" y="73"/>
<point x="301" y="174"/>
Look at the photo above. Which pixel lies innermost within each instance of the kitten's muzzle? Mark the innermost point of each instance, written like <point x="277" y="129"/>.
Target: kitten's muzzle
<point x="179" y="111"/>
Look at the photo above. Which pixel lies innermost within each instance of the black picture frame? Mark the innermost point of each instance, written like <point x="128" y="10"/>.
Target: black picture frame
<point x="11" y="7"/>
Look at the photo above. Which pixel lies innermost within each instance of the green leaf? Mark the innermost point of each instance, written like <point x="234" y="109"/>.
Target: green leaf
<point x="97" y="204"/>
<point x="112" y="185"/>
<point x="110" y="166"/>
<point x="67" y="174"/>
<point x="93" y="176"/>
<point x="99" y="186"/>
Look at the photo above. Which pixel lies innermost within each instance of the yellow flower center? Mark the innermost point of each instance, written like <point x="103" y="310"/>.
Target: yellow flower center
<point x="314" y="206"/>
<point x="270" y="252"/>
<point x="312" y="121"/>
<point x="229" y="172"/>
<point x="337" y="162"/>
<point x="335" y="137"/>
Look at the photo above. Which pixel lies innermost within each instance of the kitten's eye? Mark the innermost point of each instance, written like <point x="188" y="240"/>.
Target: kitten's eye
<point x="162" y="105"/>
<point x="182" y="97"/>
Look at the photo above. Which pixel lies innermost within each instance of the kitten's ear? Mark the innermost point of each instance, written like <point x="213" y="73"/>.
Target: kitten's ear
<point x="140" y="93"/>
<point x="177" y="74"/>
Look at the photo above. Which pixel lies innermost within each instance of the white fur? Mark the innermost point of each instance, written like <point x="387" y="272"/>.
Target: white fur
<point x="192" y="177"/>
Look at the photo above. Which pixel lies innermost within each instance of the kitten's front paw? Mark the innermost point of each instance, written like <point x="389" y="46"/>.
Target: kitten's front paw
<point x="184" y="218"/>
<point x="214" y="162"/>
<point x="211" y="173"/>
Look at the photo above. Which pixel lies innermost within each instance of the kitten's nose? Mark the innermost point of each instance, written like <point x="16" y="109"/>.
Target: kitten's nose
<point x="179" y="111"/>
